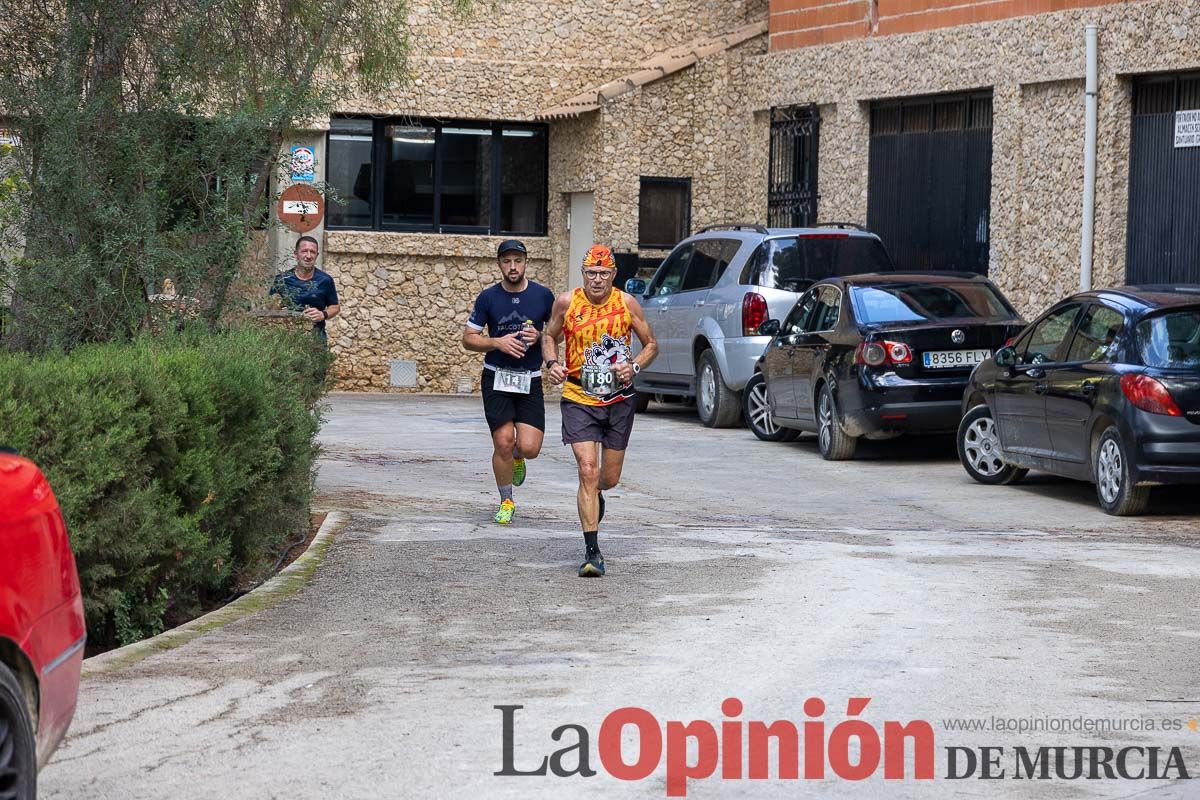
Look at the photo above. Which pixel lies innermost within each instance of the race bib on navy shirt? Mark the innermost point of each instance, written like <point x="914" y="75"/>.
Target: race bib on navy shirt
<point x="503" y="312"/>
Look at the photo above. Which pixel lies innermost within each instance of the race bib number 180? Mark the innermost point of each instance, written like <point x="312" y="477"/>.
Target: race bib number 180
<point x="597" y="380"/>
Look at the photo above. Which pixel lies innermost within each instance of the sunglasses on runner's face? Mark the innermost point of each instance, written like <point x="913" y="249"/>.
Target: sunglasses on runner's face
<point x="597" y="275"/>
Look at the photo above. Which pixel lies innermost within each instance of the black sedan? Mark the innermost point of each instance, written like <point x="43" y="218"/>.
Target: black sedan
<point x="1103" y="387"/>
<point x="875" y="356"/>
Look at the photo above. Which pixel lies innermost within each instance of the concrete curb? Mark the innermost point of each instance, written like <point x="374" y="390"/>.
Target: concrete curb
<point x="289" y="581"/>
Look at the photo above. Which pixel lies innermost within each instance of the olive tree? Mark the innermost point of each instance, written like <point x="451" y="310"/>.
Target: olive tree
<point x="148" y="130"/>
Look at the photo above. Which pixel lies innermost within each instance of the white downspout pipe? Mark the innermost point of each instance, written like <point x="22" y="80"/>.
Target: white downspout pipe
<point x="1089" y="164"/>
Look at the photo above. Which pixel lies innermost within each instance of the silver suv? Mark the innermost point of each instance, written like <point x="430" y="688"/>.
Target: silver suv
<point x="711" y="293"/>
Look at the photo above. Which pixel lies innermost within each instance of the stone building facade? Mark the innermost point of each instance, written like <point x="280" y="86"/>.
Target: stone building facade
<point x="684" y="89"/>
<point x="1034" y="66"/>
<point x="406" y="295"/>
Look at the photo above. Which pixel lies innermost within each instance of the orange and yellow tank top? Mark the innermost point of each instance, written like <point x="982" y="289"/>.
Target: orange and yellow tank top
<point x="597" y="336"/>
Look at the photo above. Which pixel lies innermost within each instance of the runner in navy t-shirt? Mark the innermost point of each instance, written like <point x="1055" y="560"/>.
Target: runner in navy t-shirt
<point x="514" y="312"/>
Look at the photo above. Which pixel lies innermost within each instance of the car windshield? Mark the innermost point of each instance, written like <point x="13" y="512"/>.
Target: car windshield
<point x="927" y="302"/>
<point x="1172" y="340"/>
<point x="796" y="263"/>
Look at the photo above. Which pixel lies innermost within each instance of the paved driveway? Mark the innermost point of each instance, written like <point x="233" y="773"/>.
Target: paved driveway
<point x="737" y="568"/>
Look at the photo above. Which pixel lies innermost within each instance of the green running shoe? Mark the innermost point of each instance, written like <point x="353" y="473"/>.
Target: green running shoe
<point x="518" y="471"/>
<point x="505" y="514"/>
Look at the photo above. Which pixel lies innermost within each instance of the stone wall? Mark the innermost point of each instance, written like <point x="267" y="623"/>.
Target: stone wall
<point x="576" y="165"/>
<point x="407" y="297"/>
<point x="1047" y="195"/>
<point x="1034" y="66"/>
<point x="509" y="59"/>
<point x="688" y="125"/>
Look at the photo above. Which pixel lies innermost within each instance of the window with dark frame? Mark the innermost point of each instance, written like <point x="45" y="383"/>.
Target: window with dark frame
<point x="350" y="173"/>
<point x="664" y="212"/>
<point x="485" y="178"/>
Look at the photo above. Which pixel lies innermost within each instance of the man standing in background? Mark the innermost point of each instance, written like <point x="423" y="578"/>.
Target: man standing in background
<point x="308" y="289"/>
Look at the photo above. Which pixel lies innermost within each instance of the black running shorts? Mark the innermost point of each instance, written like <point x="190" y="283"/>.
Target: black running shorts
<point x="500" y="408"/>
<point x="609" y="425"/>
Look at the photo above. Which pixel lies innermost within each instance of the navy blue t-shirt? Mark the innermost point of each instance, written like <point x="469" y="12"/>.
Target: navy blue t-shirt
<point x="504" y="312"/>
<point x="316" y="292"/>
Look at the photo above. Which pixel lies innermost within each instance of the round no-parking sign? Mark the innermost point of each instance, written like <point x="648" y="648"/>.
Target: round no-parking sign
<point x="300" y="207"/>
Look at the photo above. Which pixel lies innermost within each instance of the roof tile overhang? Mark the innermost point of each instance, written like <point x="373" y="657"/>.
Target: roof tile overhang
<point x="662" y="65"/>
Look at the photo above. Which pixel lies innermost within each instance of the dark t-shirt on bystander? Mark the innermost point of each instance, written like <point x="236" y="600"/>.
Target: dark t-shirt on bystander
<point x="317" y="292"/>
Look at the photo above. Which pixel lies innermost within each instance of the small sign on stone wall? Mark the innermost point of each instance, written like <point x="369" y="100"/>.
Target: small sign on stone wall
<point x="1187" y="128"/>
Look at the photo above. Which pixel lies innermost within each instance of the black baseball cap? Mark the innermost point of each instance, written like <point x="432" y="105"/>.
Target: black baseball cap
<point x="511" y="244"/>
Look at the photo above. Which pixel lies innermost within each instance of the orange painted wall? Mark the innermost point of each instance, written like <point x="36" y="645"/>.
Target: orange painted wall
<point x="801" y="23"/>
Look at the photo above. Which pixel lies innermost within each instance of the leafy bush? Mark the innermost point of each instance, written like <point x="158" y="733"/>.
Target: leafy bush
<point x="181" y="463"/>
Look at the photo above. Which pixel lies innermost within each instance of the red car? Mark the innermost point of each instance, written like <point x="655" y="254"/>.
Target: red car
<point x="42" y="630"/>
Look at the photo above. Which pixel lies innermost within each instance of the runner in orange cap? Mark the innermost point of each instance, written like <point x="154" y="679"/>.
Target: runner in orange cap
<point x="597" y="321"/>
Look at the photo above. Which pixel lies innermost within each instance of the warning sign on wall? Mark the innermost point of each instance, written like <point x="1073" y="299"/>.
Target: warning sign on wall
<point x="1187" y="128"/>
<point x="300" y="207"/>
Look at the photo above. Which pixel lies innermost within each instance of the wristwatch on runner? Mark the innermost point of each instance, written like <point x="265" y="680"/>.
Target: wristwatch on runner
<point x="551" y="363"/>
<point x="636" y="367"/>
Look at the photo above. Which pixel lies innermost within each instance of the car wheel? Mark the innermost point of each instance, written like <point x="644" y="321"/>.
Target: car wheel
<point x="642" y="402"/>
<point x="18" y="753"/>
<point x="1114" y="482"/>
<point x="716" y="403"/>
<point x="832" y="440"/>
<point x="756" y="408"/>
<point x="979" y="449"/>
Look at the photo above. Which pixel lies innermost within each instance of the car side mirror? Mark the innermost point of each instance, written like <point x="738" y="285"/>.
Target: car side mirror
<point x="769" y="328"/>
<point x="1006" y="357"/>
<point x="635" y="286"/>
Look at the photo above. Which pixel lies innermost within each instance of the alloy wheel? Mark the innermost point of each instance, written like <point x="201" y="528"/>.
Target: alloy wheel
<point x="708" y="390"/>
<point x="825" y="421"/>
<point x="1108" y="471"/>
<point x="760" y="409"/>
<point x="982" y="446"/>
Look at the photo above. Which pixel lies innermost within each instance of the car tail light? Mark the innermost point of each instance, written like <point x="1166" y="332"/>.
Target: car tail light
<point x="754" y="313"/>
<point x="877" y="354"/>
<point x="1009" y="341"/>
<point x="823" y="236"/>
<point x="1149" y="394"/>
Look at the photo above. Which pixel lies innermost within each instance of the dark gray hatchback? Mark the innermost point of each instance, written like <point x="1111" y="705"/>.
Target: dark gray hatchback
<point x="1103" y="387"/>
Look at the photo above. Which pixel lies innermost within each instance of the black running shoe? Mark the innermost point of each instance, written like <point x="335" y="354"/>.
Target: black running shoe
<point x="601" y="517"/>
<point x="593" y="567"/>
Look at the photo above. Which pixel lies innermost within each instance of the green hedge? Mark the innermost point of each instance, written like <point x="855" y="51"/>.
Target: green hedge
<point x="181" y="463"/>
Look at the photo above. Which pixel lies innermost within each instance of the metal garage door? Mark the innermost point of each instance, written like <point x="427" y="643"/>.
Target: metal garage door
<point x="930" y="182"/>
<point x="1163" y="245"/>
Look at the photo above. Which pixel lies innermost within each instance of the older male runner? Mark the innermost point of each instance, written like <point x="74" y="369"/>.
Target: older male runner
<point x="598" y="398"/>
